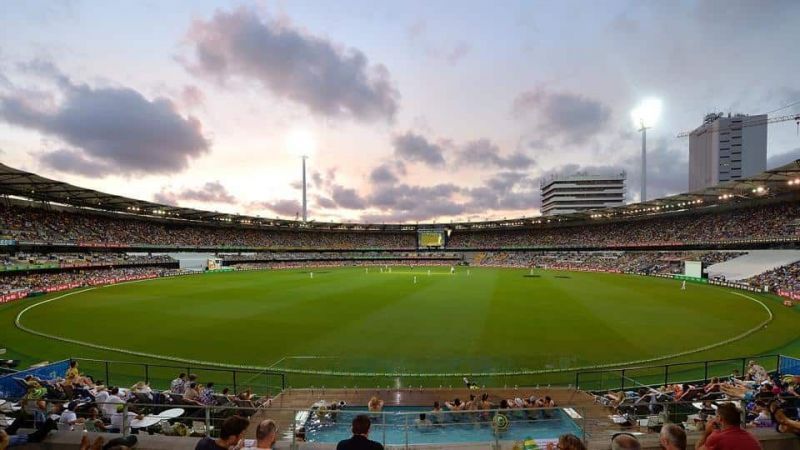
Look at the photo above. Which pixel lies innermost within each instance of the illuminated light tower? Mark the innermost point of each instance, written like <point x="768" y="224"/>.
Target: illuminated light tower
<point x="644" y="116"/>
<point x="300" y="142"/>
<point x="305" y="203"/>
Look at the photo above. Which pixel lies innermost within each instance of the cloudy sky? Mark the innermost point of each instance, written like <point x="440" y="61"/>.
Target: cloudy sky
<point x="410" y="110"/>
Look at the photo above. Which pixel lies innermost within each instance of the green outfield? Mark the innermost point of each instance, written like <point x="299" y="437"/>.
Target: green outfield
<point x="345" y="323"/>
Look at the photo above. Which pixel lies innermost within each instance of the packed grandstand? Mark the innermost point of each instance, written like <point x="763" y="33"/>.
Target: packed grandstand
<point x="50" y="243"/>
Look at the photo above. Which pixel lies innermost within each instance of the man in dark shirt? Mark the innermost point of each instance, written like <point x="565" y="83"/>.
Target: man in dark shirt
<point x="231" y="434"/>
<point x="360" y="441"/>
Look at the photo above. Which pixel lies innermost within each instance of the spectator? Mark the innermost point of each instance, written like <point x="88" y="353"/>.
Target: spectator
<point x="68" y="418"/>
<point x="625" y="441"/>
<point x="207" y="396"/>
<point x="423" y="422"/>
<point x="725" y="432"/>
<point x="178" y="385"/>
<point x="567" y="442"/>
<point x="112" y="401"/>
<point x="94" y="423"/>
<point x="375" y="404"/>
<point x="360" y="439"/>
<point x="672" y="437"/>
<point x="266" y="434"/>
<point x="192" y="395"/>
<point x="231" y="434"/>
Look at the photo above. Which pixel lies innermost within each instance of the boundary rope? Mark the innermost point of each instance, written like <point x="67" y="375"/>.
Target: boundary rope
<point x="18" y="324"/>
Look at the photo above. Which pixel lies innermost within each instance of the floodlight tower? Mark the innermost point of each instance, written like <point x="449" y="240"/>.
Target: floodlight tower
<point x="300" y="142"/>
<point x="643" y="196"/>
<point x="305" y="210"/>
<point x="644" y="116"/>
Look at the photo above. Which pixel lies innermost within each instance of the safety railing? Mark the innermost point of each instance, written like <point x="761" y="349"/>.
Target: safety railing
<point x="665" y="374"/>
<point x="159" y="376"/>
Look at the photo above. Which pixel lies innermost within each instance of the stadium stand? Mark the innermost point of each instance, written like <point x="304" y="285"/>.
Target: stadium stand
<point x="754" y="263"/>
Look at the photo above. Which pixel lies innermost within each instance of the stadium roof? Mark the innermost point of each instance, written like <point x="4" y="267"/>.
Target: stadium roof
<point x="27" y="185"/>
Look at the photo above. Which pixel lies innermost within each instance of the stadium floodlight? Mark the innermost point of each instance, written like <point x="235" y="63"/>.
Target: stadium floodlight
<point x="301" y="143"/>
<point x="645" y="116"/>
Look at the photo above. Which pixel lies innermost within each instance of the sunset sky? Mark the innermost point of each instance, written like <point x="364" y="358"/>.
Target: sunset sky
<point x="417" y="110"/>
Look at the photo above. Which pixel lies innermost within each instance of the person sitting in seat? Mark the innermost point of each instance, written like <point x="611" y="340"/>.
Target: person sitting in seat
<point x="756" y="372"/>
<point x="192" y="396"/>
<point x="725" y="432"/>
<point x="94" y="423"/>
<point x="178" y="385"/>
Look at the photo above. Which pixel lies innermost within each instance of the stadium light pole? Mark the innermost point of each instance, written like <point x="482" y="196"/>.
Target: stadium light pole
<point x="300" y="142"/>
<point x="305" y="210"/>
<point x="644" y="116"/>
<point x="643" y="129"/>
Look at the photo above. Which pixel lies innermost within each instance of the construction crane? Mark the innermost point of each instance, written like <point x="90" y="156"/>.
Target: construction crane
<point x="795" y="117"/>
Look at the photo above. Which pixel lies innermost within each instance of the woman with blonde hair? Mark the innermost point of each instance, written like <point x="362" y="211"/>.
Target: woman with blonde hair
<point x="375" y="404"/>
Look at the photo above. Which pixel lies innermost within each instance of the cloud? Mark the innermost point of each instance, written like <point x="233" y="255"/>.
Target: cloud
<point x="325" y="202"/>
<point x="292" y="64"/>
<point x="111" y="130"/>
<point x="192" y="97"/>
<point x="572" y="117"/>
<point x="415" y="148"/>
<point x="210" y="192"/>
<point x="457" y="52"/>
<point x="774" y="161"/>
<point x="73" y="161"/>
<point x="347" y="198"/>
<point x="451" y="54"/>
<point x="387" y="172"/>
<point x="505" y="190"/>
<point x="280" y="207"/>
<point x="483" y="152"/>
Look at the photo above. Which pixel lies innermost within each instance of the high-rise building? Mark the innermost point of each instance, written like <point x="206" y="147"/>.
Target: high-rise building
<point x="727" y="148"/>
<point x="581" y="192"/>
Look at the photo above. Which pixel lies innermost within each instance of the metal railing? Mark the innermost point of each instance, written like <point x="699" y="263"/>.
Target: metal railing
<point x="665" y="374"/>
<point x="127" y="373"/>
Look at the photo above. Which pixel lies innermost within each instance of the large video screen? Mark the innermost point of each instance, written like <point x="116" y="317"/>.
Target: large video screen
<point x="693" y="269"/>
<point x="430" y="238"/>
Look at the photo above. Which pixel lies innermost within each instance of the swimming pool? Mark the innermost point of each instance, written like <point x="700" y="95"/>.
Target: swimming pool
<point x="400" y="427"/>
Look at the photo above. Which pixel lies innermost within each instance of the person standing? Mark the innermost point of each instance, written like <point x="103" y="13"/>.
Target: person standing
<point x="266" y="434"/>
<point x="360" y="439"/>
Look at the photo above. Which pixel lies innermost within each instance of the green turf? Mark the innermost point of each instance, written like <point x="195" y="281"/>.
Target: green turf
<point x="494" y="320"/>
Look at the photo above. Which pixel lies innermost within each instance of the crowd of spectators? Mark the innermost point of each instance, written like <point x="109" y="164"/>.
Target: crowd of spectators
<point x="649" y="263"/>
<point x="758" y="398"/>
<point x="759" y="222"/>
<point x="36" y="224"/>
<point x="24" y="260"/>
<point x="338" y="256"/>
<point x="33" y="224"/>
<point x="784" y="278"/>
<point x="42" y="281"/>
<point x="78" y="401"/>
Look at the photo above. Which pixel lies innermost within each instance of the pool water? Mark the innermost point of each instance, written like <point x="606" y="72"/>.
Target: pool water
<point x="400" y="426"/>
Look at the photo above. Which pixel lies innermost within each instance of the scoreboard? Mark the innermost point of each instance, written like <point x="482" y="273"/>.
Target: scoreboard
<point x="430" y="238"/>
